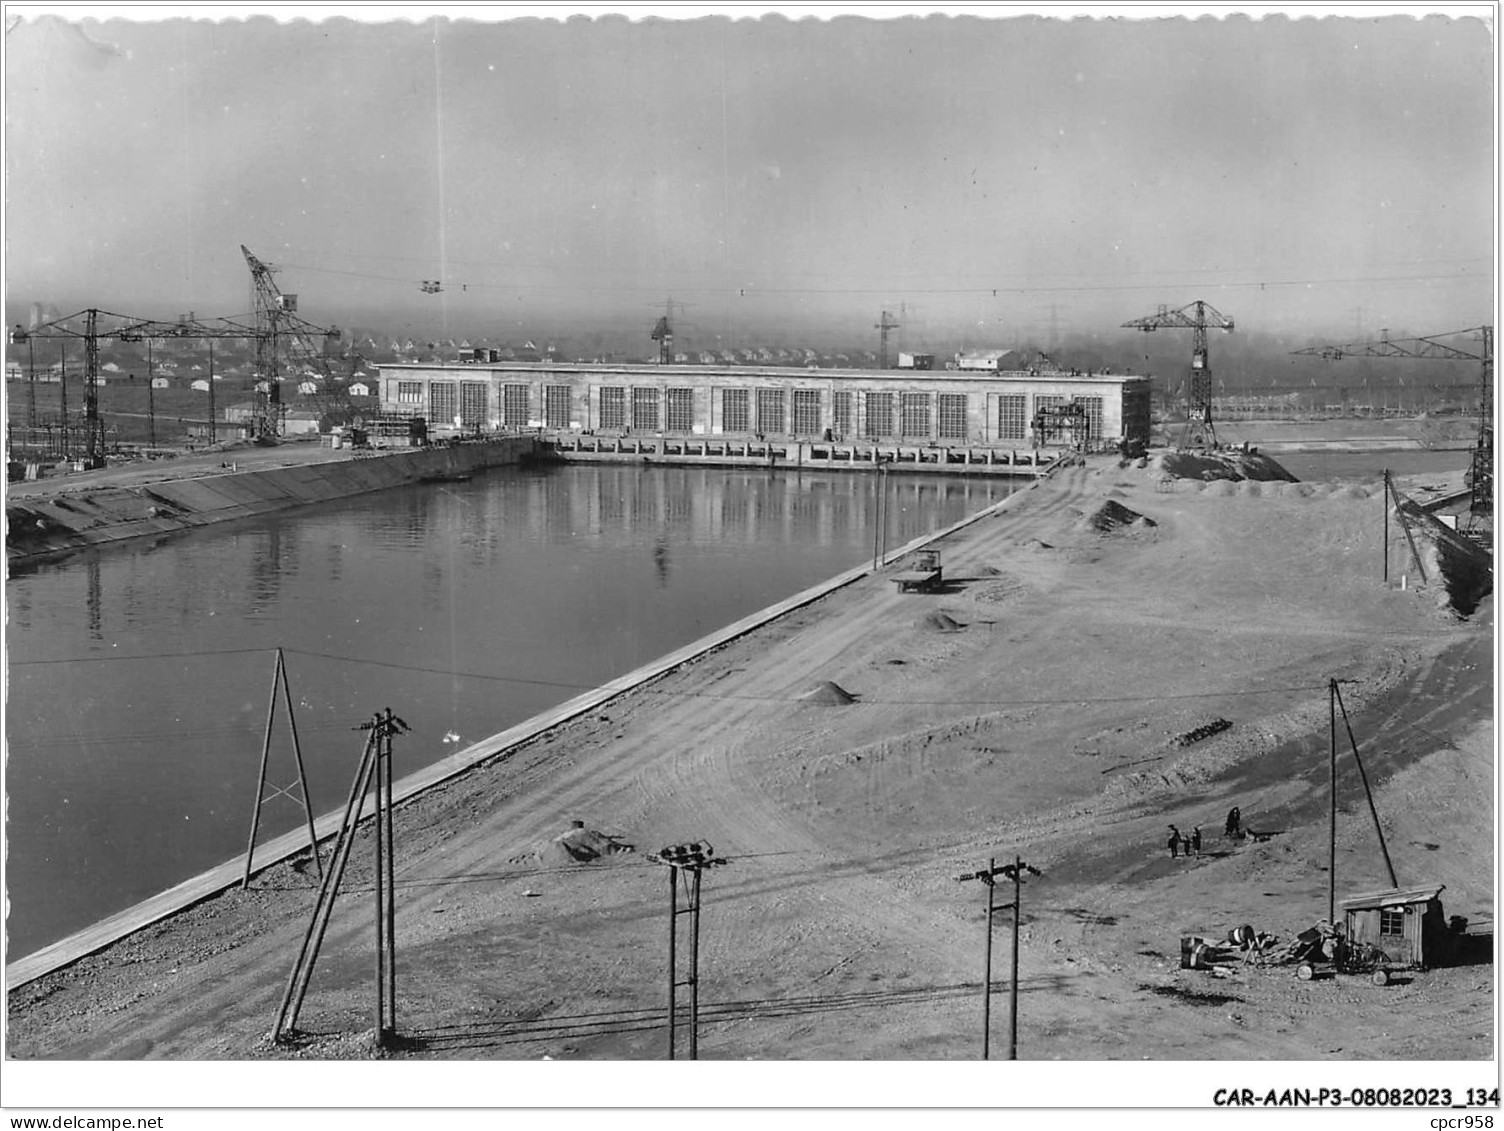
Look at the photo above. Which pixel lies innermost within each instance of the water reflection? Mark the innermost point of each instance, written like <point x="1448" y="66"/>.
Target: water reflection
<point x="139" y="674"/>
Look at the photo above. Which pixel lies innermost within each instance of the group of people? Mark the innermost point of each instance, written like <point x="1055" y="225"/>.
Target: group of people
<point x="1189" y="845"/>
<point x="1182" y="845"/>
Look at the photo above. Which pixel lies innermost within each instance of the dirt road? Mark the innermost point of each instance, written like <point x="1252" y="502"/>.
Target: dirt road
<point x="1032" y="707"/>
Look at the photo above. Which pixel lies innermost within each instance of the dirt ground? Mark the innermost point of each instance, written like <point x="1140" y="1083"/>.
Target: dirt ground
<point x="1044" y="723"/>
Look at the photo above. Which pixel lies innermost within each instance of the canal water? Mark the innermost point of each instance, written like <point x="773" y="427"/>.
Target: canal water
<point x="1318" y="466"/>
<point x="140" y="675"/>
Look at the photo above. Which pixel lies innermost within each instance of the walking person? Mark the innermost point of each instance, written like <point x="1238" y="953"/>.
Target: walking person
<point x="1234" y="823"/>
<point x="1173" y="844"/>
<point x="1196" y="841"/>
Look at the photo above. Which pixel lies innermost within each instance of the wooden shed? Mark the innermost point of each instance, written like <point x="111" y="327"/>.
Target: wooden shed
<point x="1407" y="924"/>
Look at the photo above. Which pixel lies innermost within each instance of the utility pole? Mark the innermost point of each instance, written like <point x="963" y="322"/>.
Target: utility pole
<point x="279" y="676"/>
<point x="1386" y="526"/>
<point x="151" y="398"/>
<point x="382" y="727"/>
<point x="1015" y="872"/>
<point x="692" y="859"/>
<point x="1331" y="852"/>
<point x="62" y="389"/>
<point x="375" y="770"/>
<point x="213" y="435"/>
<point x="1363" y="777"/>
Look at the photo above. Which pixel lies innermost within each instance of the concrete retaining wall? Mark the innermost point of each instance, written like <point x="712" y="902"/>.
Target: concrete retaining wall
<point x="44" y="526"/>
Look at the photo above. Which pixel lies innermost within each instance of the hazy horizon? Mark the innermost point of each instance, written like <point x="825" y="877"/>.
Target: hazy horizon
<point x="996" y="180"/>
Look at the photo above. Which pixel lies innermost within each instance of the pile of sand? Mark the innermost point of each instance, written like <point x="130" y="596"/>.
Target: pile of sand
<point x="940" y="622"/>
<point x="1234" y="465"/>
<point x="579" y="845"/>
<point x="1113" y="516"/>
<point x="829" y="694"/>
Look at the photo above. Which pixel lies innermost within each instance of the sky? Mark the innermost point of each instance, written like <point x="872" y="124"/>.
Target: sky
<point x="989" y="178"/>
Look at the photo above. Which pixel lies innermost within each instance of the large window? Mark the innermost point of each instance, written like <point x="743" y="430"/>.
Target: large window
<point x="770" y="411"/>
<point x="613" y="407"/>
<point x="514" y="406"/>
<point x="556" y="406"/>
<point x="442" y="402"/>
<point x="409" y="392"/>
<point x="1392" y="921"/>
<point x="1011" y="421"/>
<point x="806" y="412"/>
<point x="473" y="403"/>
<point x="914" y="415"/>
<point x="842" y="408"/>
<point x="1093" y="418"/>
<point x="734" y="411"/>
<point x="644" y="410"/>
<point x="681" y="410"/>
<point x="879" y="415"/>
<point x="952" y="416"/>
<point x="1043" y="401"/>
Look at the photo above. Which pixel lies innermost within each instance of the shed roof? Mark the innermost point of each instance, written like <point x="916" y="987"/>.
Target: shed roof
<point x="1392" y="897"/>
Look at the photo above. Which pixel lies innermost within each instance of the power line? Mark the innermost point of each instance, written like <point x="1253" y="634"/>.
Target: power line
<point x="691" y="694"/>
<point x="1005" y="288"/>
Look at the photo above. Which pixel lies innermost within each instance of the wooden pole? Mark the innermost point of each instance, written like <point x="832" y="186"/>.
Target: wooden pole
<point x="1331" y="857"/>
<point x="213" y="435"/>
<point x="987" y="966"/>
<point x="694" y="970"/>
<point x="1410" y="538"/>
<point x="313" y="938"/>
<point x="266" y="747"/>
<point x="151" y="400"/>
<point x="1372" y="809"/>
<point x="379" y="884"/>
<point x="297" y="753"/>
<point x="673" y="970"/>
<point x="1018" y="867"/>
<point x="391" y="894"/>
<point x="1386" y="526"/>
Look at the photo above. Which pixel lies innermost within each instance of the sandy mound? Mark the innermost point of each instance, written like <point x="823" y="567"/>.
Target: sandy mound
<point x="579" y="845"/>
<point x="828" y="694"/>
<point x="1112" y="516"/>
<point x="1219" y="465"/>
<point x="939" y="622"/>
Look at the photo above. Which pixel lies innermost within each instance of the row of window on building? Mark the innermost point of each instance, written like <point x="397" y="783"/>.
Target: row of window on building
<point x="772" y="412"/>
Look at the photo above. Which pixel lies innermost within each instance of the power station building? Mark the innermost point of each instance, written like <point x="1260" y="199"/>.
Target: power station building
<point x="911" y="406"/>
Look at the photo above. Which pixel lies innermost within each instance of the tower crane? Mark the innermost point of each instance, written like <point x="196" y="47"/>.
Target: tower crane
<point x="279" y="328"/>
<point x="1198" y="317"/>
<point x="1431" y="348"/>
<point x="663" y="334"/>
<point x="884" y="324"/>
<point x="102" y="325"/>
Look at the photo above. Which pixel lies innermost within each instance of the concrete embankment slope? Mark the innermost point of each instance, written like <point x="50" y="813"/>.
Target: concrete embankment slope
<point x="203" y="886"/>
<point x="66" y="517"/>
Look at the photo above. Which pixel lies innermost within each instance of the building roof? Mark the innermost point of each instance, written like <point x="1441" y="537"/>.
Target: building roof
<point x="693" y="372"/>
<point x="1392" y="897"/>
